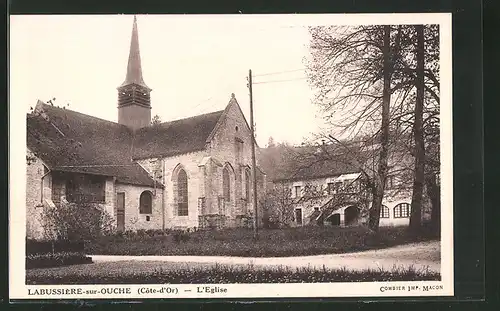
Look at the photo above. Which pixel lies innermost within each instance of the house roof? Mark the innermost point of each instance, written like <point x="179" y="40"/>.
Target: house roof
<point x="175" y="137"/>
<point x="304" y="163"/>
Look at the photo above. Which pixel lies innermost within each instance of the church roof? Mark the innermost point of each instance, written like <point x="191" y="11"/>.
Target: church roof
<point x="74" y="142"/>
<point x="70" y="141"/>
<point x="175" y="137"/>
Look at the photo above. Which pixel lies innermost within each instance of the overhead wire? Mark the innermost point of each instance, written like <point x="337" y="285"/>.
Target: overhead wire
<point x="278" y="72"/>
<point x="278" y="81"/>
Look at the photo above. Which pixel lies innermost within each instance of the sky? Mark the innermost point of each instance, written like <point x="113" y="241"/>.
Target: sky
<point x="192" y="63"/>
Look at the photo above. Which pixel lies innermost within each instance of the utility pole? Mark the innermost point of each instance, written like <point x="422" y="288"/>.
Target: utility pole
<point x="254" y="165"/>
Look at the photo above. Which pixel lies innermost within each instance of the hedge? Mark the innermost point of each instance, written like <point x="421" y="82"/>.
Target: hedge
<point x="45" y="247"/>
<point x="55" y="260"/>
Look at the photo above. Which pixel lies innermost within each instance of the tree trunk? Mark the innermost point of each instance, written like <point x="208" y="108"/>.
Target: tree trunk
<point x="434" y="193"/>
<point x="379" y="186"/>
<point x="418" y="135"/>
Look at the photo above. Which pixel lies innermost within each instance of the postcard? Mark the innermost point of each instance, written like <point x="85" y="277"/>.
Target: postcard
<point x="230" y="156"/>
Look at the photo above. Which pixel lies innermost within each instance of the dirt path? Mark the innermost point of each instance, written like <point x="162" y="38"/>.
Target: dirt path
<point x="424" y="255"/>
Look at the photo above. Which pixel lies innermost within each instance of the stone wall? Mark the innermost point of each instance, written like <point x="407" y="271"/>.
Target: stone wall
<point x="190" y="163"/>
<point x="133" y="219"/>
<point x="205" y="173"/>
<point x="134" y="116"/>
<point x="34" y="207"/>
<point x="391" y="199"/>
<point x="233" y="132"/>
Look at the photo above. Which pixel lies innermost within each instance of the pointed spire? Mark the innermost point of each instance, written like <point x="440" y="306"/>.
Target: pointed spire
<point x="134" y="68"/>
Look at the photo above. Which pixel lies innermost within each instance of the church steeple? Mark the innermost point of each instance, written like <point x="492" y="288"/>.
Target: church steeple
<point x="134" y="101"/>
<point x="134" y="68"/>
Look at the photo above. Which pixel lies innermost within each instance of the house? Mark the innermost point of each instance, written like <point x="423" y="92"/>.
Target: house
<point x="331" y="189"/>
<point x="193" y="172"/>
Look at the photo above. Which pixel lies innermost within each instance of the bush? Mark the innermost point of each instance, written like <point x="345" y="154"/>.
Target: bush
<point x="77" y="221"/>
<point x="49" y="260"/>
<point x="181" y="236"/>
<point x="44" y="247"/>
<point x="301" y="241"/>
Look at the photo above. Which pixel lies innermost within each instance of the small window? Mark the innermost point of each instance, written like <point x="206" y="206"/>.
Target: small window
<point x="148" y="218"/>
<point x="236" y="128"/>
<point x="316" y="209"/>
<point x="402" y="210"/>
<point x="331" y="188"/>
<point x="298" y="216"/>
<point x="239" y="149"/>
<point x="297" y="191"/>
<point x="146" y="203"/>
<point x="384" y="212"/>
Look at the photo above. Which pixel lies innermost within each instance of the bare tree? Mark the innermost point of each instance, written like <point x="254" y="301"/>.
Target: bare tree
<point x="352" y="69"/>
<point x="366" y="79"/>
<point x="278" y="205"/>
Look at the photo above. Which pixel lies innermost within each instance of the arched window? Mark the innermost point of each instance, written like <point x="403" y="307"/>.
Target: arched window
<point x="146" y="203"/>
<point x="248" y="177"/>
<point x="384" y="212"/>
<point x="182" y="193"/>
<point x="226" y="184"/>
<point x="402" y="210"/>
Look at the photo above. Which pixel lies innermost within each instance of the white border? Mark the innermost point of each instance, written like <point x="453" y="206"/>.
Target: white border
<point x="17" y="212"/>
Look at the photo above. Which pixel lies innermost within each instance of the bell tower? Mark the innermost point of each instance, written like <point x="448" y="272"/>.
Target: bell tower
<point x="134" y="101"/>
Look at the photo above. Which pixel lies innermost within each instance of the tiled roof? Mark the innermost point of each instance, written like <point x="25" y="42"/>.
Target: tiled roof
<point x="175" y="137"/>
<point x="302" y="163"/>
<point x="74" y="142"/>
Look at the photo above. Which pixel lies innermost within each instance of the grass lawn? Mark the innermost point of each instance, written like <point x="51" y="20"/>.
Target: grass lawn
<point x="299" y="241"/>
<point x="136" y="272"/>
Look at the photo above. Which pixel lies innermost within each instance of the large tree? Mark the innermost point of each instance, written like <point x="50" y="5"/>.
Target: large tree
<point x="352" y="69"/>
<point x="366" y="80"/>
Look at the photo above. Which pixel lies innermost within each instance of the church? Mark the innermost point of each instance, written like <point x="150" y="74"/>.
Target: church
<point x="190" y="173"/>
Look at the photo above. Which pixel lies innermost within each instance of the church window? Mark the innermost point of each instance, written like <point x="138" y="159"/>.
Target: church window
<point x="146" y="203"/>
<point x="402" y="210"/>
<point x="182" y="193"/>
<point x="226" y="184"/>
<point x="247" y="184"/>
<point x="239" y="150"/>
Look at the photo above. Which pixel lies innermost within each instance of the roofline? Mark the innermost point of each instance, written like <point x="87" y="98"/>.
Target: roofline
<point x="166" y="155"/>
<point x="59" y="169"/>
<point x="232" y="101"/>
<point x="81" y="113"/>
<point x="313" y="177"/>
<point x="38" y="157"/>
<point x="191" y="117"/>
<point x="106" y="175"/>
<point x="158" y="185"/>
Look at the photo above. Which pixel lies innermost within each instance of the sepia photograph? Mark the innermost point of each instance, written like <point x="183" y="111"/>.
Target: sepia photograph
<point x="196" y="156"/>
